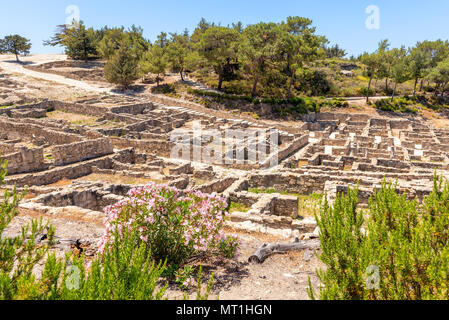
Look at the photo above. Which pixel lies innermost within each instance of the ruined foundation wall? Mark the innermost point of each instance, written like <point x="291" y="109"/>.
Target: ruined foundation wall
<point x="79" y="151"/>
<point x="26" y="160"/>
<point x="160" y="147"/>
<point x="16" y="130"/>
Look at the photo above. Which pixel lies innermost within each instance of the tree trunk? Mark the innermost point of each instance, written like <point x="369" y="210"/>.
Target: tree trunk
<point x="254" y="90"/>
<point x="292" y="80"/>
<point x="17" y="57"/>
<point x="414" y="87"/>
<point x="367" y="90"/>
<point x="181" y="73"/>
<point x="220" y="81"/>
<point x="394" y="91"/>
<point x="435" y="93"/>
<point x="268" y="249"/>
<point x="421" y="85"/>
<point x="386" y="85"/>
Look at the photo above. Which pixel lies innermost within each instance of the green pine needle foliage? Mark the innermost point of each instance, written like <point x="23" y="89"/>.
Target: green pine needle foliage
<point x="395" y="250"/>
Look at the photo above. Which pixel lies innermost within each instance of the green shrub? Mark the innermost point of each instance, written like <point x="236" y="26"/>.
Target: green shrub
<point x="363" y="91"/>
<point x="164" y="89"/>
<point x="396" y="250"/>
<point x="174" y="226"/>
<point x="124" y="271"/>
<point x="338" y="103"/>
<point x="313" y="82"/>
<point x="20" y="255"/>
<point x="398" y="105"/>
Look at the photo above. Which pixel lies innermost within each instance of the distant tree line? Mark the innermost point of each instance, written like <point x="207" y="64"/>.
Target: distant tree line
<point x="428" y="61"/>
<point x="260" y="51"/>
<point x="278" y="54"/>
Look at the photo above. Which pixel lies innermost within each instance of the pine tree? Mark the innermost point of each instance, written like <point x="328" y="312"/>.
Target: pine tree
<point x="15" y="44"/>
<point x="218" y="46"/>
<point x="155" y="61"/>
<point x="123" y="68"/>
<point x="80" y="43"/>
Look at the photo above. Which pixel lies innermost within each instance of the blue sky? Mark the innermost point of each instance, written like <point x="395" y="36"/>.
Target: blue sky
<point x="341" y="21"/>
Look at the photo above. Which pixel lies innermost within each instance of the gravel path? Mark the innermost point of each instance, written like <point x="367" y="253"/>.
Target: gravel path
<point x="9" y="65"/>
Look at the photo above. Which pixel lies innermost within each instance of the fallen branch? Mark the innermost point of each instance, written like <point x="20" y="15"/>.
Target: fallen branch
<point x="268" y="249"/>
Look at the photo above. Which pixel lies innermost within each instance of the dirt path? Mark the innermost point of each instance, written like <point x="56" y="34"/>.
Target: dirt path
<point x="11" y="66"/>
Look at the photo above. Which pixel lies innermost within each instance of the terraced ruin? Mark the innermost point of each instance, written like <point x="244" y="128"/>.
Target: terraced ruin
<point x="76" y="158"/>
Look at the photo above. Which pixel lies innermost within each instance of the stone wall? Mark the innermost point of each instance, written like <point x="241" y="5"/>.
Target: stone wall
<point x="289" y="182"/>
<point x="79" y="151"/>
<point x="29" y="113"/>
<point x="36" y="133"/>
<point x="160" y="147"/>
<point x="132" y="108"/>
<point x="25" y="160"/>
<point x="6" y="148"/>
<point x="287" y="151"/>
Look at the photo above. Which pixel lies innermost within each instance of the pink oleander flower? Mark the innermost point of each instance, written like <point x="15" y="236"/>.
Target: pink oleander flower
<point x="190" y="218"/>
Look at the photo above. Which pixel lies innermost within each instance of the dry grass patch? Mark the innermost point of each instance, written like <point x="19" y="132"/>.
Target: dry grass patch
<point x="302" y="163"/>
<point x="61" y="183"/>
<point x="73" y="118"/>
<point x="119" y="179"/>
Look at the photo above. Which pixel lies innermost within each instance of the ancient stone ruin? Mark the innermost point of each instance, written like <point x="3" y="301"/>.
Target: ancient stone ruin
<point x="72" y="170"/>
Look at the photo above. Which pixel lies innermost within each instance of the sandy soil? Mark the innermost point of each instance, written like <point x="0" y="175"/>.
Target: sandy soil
<point x="10" y="66"/>
<point x="280" y="277"/>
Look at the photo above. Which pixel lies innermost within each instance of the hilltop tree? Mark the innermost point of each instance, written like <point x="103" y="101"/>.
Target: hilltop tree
<point x="202" y="26"/>
<point x="178" y="51"/>
<point x="334" y="52"/>
<point x="375" y="64"/>
<point x="399" y="74"/>
<point x="386" y="61"/>
<point x="298" y="45"/>
<point x="112" y="39"/>
<point x="15" y="44"/>
<point x="418" y="64"/>
<point x="394" y="65"/>
<point x="259" y="50"/>
<point x="123" y="68"/>
<point x="238" y="26"/>
<point x="434" y="52"/>
<point x="154" y="61"/>
<point x="218" y="46"/>
<point x="440" y="75"/>
<point x="138" y="43"/>
<point x="371" y="62"/>
<point x="110" y="42"/>
<point x="80" y="43"/>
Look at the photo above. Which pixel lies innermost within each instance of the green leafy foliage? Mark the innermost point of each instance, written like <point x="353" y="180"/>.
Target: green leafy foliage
<point x="80" y="43"/>
<point x="399" y="105"/>
<point x="15" y="44"/>
<point x="396" y="250"/>
<point x="123" y="68"/>
<point x="20" y="255"/>
<point x="154" y="61"/>
<point x="124" y="271"/>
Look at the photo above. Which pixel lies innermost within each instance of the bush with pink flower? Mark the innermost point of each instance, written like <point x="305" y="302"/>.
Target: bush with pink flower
<point x="175" y="225"/>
